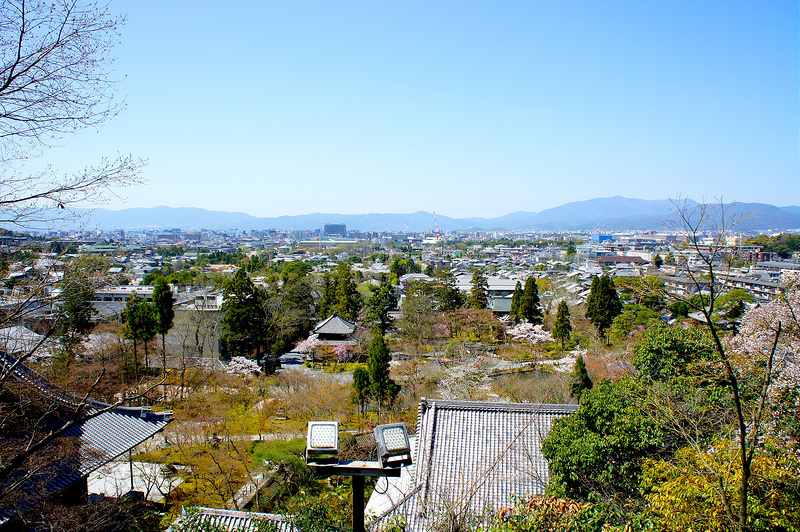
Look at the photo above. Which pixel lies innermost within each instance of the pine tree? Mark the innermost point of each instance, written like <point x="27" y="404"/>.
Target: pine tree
<point x="479" y="293"/>
<point x="381" y="387"/>
<point x="563" y="327"/>
<point x="603" y="304"/>
<point x="340" y="294"/>
<point x="580" y="379"/>
<point x="382" y="301"/>
<point x="529" y="304"/>
<point x="165" y="315"/>
<point x="139" y="325"/>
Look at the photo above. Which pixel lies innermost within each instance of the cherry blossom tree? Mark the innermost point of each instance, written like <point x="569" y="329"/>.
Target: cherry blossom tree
<point x="307" y="345"/>
<point x="528" y="332"/>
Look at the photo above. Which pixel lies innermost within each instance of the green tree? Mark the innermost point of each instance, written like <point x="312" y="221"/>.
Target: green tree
<point x="634" y="318"/>
<point x="669" y="258"/>
<point x="447" y="295"/>
<point x="580" y="380"/>
<point x="479" y="293"/>
<point x="382" y="387"/>
<point x="244" y="320"/>
<point x="665" y="352"/>
<point x="340" y="294"/>
<point x="382" y="300"/>
<point x="599" y="449"/>
<point x="603" y="304"/>
<point x="400" y="267"/>
<point x="516" y="299"/>
<point x="139" y="326"/>
<point x="529" y="308"/>
<point x="165" y="315"/>
<point x="361" y="384"/>
<point x="562" y="328"/>
<point x="76" y="311"/>
<point x="657" y="260"/>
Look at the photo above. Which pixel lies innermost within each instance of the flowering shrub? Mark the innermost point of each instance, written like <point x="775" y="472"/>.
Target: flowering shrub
<point x="243" y="366"/>
<point x="441" y="330"/>
<point x="535" y="334"/>
<point x="774" y="325"/>
<point x="341" y="353"/>
<point x="307" y="345"/>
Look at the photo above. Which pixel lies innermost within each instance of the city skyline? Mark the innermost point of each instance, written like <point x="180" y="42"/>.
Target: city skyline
<point x="465" y="109"/>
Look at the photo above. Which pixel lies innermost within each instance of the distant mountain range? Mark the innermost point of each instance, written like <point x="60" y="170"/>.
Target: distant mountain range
<point x="603" y="214"/>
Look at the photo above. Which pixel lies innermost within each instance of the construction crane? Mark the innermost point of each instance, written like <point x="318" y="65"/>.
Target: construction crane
<point x="435" y="221"/>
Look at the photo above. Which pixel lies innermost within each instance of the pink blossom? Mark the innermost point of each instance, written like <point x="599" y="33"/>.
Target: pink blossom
<point x="535" y="334"/>
<point x="341" y="352"/>
<point x="307" y="345"/>
<point x="441" y="330"/>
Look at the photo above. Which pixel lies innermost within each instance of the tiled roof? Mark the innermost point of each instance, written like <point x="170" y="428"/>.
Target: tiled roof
<point x="335" y="325"/>
<point x="472" y="459"/>
<point x="105" y="432"/>
<point x="231" y="520"/>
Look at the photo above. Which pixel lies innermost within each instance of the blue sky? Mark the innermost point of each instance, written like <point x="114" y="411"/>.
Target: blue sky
<point x="463" y="108"/>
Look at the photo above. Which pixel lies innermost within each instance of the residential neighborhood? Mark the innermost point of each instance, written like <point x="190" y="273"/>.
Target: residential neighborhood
<point x="308" y="348"/>
<point x="399" y="266"/>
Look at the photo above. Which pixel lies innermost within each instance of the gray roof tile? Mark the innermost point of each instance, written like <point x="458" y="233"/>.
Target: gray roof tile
<point x="472" y="459"/>
<point x="335" y="325"/>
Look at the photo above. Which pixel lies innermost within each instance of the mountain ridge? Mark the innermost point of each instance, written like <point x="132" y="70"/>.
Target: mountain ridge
<point x="612" y="214"/>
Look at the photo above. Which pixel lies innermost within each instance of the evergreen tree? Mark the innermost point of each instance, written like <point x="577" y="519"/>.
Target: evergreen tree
<point x="448" y="296"/>
<point x="165" y="315"/>
<point x="529" y="308"/>
<point x="139" y="325"/>
<point x="381" y="387"/>
<point x="603" y="304"/>
<point x="244" y="320"/>
<point x="563" y="327"/>
<point x="340" y="294"/>
<point x="516" y="299"/>
<point x="382" y="301"/>
<point x="657" y="260"/>
<point x="361" y="386"/>
<point x="76" y="312"/>
<point x="580" y="379"/>
<point x="479" y="293"/>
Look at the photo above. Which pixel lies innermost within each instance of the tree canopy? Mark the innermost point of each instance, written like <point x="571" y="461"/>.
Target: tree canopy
<point x="603" y="304"/>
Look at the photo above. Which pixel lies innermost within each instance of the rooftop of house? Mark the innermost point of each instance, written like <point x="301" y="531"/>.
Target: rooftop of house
<point x="336" y="325"/>
<point x="103" y="432"/>
<point x="470" y="458"/>
<point x="231" y="520"/>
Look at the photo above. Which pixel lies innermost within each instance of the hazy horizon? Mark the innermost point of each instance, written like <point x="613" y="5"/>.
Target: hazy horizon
<point x="463" y="108"/>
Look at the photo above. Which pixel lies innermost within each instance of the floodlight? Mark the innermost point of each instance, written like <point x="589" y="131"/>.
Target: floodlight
<point x="392" y="442"/>
<point x="322" y="441"/>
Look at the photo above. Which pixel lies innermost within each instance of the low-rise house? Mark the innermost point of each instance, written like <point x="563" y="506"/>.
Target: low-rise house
<point x="469" y="460"/>
<point x="89" y="434"/>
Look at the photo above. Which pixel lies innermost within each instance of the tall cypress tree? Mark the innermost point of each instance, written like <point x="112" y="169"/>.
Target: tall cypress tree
<point x="382" y="387"/>
<point x="563" y="327"/>
<point x="516" y="299"/>
<point x="529" y="304"/>
<point x="603" y="304"/>
<point x="165" y="315"/>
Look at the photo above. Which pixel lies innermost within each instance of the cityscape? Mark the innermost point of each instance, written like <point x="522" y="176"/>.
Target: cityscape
<point x="257" y="321"/>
